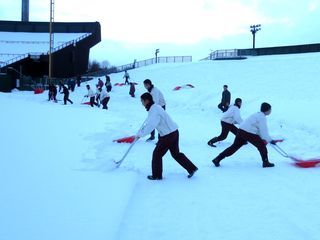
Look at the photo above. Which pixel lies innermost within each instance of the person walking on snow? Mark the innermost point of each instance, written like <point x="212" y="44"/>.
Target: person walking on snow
<point x="65" y="91"/>
<point x="168" y="140"/>
<point x="52" y="92"/>
<point x="91" y="95"/>
<point x="229" y="118"/>
<point x="100" y="83"/>
<point x="126" y="76"/>
<point x="157" y="98"/>
<point x="225" y="100"/>
<point x="132" y="89"/>
<point x="254" y="130"/>
<point x="108" y="83"/>
<point x="104" y="98"/>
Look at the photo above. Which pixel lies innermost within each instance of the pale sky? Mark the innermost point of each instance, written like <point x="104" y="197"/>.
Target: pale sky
<point x="133" y="29"/>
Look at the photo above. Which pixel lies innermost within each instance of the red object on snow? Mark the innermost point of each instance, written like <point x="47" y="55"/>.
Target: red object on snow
<point x="306" y="163"/>
<point x="87" y="103"/>
<point x="38" y="90"/>
<point x="183" y="86"/>
<point x="119" y="84"/>
<point x="125" y="140"/>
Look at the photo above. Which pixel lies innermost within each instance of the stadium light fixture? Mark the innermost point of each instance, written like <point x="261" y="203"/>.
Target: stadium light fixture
<point x="254" y="29"/>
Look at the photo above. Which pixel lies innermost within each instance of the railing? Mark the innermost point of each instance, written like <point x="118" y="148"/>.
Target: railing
<point x="143" y="63"/>
<point x="27" y="42"/>
<point x="224" y="54"/>
<point x="18" y="58"/>
<point x="71" y="42"/>
<point x="37" y="55"/>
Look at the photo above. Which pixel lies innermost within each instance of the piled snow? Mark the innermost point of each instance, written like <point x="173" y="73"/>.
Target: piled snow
<point x="58" y="181"/>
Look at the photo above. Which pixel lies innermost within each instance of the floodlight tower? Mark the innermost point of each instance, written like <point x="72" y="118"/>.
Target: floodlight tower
<point x="51" y="40"/>
<point x="254" y="29"/>
<point x="25" y="11"/>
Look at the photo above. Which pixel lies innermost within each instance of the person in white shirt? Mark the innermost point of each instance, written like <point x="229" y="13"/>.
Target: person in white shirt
<point x="91" y="95"/>
<point x="127" y="77"/>
<point x="254" y="130"/>
<point x="157" y="98"/>
<point x="229" y="118"/>
<point x="168" y="140"/>
<point x="104" y="98"/>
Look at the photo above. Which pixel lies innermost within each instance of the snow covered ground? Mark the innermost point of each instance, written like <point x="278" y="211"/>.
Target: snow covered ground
<point x="57" y="178"/>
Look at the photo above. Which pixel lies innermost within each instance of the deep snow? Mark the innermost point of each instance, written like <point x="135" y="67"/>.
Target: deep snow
<point x="56" y="171"/>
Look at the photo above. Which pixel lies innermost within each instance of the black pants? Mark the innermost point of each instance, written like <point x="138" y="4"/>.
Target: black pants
<point x="225" y="129"/>
<point x="127" y="80"/>
<point x="105" y="102"/>
<point x="52" y="95"/>
<point x="223" y="107"/>
<point x="66" y="98"/>
<point x="154" y="131"/>
<point x="241" y="138"/>
<point x="92" y="102"/>
<point x="169" y="142"/>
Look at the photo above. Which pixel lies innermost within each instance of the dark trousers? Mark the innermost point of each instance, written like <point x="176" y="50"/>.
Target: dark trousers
<point x="52" y="95"/>
<point x="127" y="80"/>
<point x="154" y="131"/>
<point x="92" y="102"/>
<point x="105" y="102"/>
<point x="225" y="129"/>
<point x="223" y="107"/>
<point x="169" y="142"/>
<point x="66" y="98"/>
<point x="241" y="138"/>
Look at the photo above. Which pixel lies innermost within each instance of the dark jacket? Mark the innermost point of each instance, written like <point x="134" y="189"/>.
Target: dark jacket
<point x="226" y="98"/>
<point x="65" y="90"/>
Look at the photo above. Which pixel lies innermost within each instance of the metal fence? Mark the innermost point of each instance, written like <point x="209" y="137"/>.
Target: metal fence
<point x="150" y="61"/>
<point x="225" y="54"/>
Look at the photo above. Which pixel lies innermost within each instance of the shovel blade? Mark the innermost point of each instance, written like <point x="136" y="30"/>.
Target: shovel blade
<point x="306" y="163"/>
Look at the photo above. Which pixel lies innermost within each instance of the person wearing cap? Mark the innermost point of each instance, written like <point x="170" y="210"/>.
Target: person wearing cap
<point x="168" y="140"/>
<point x="225" y="100"/>
<point x="254" y="130"/>
<point x="228" y="121"/>
<point x="157" y="98"/>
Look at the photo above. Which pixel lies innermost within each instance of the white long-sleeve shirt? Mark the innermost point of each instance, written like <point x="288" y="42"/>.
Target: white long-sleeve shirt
<point x="157" y="96"/>
<point x="232" y="115"/>
<point x="257" y="124"/>
<point x="158" y="119"/>
<point x="91" y="93"/>
<point x="103" y="94"/>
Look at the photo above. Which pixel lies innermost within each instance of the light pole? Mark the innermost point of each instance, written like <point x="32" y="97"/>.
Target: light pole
<point x="156" y="53"/>
<point x="51" y="39"/>
<point x="254" y="29"/>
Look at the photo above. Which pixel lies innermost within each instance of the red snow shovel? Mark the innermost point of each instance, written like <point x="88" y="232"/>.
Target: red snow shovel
<point x="298" y="162"/>
<point x="129" y="139"/>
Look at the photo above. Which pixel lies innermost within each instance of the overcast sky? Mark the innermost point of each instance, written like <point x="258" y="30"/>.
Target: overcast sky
<point x="134" y="29"/>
